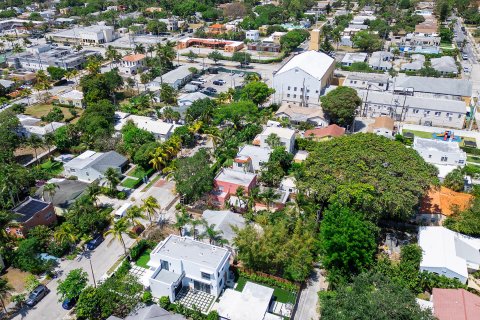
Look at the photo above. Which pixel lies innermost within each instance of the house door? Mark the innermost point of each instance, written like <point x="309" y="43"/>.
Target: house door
<point x="200" y="286"/>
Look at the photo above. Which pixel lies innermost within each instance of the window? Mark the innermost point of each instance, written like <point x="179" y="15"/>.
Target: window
<point x="206" y="276"/>
<point x="294" y="88"/>
<point x="164" y="265"/>
<point x="288" y="95"/>
<point x="221" y="282"/>
<point x="428" y="112"/>
<point x="459" y="116"/>
<point x="294" y="95"/>
<point x="443" y="159"/>
<point x="461" y="161"/>
<point x="289" y="87"/>
<point x="415" y="111"/>
<point x="429" y="156"/>
<point x="72" y="170"/>
<point x="448" y="114"/>
<point x="308" y="90"/>
<point x="438" y="114"/>
<point x="308" y="97"/>
<point x="316" y="91"/>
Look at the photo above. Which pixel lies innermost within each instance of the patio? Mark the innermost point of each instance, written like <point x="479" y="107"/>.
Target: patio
<point x="142" y="274"/>
<point x="189" y="298"/>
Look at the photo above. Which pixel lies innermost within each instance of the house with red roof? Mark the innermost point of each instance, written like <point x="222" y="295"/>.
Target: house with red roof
<point x="455" y="304"/>
<point x="132" y="64"/>
<point x="327" y="133"/>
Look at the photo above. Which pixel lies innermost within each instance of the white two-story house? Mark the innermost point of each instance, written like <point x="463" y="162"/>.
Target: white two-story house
<point x="183" y="262"/>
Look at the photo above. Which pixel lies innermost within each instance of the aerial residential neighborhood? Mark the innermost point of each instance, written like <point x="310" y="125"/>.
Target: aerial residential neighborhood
<point x="239" y="160"/>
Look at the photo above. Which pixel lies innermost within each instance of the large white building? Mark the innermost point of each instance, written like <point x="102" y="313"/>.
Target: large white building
<point x="448" y="253"/>
<point x="302" y="80"/>
<point x="183" y="262"/>
<point x="91" y="35"/>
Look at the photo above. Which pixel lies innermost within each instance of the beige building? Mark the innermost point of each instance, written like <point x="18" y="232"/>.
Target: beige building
<point x="72" y="98"/>
<point x="315" y="40"/>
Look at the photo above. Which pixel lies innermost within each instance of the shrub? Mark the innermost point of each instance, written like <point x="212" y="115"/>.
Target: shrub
<point x="212" y="315"/>
<point x="139" y="248"/>
<point x="147" y="297"/>
<point x="164" y="302"/>
<point x="121" y="195"/>
<point x="123" y="269"/>
<point x="269" y="281"/>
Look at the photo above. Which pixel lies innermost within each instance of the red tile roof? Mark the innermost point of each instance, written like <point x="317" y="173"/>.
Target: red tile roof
<point x="455" y="304"/>
<point x="331" y="131"/>
<point x="134" y="57"/>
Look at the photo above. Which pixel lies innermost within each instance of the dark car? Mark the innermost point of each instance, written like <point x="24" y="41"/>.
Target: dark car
<point x="36" y="295"/>
<point x="68" y="304"/>
<point x="210" y="89"/>
<point x="218" y="83"/>
<point x="92" y="244"/>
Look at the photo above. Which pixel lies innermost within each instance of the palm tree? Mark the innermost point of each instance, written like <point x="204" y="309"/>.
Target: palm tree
<point x="66" y="233"/>
<point x="133" y="214"/>
<point x="5" y="289"/>
<point x="93" y="66"/>
<point x="6" y="221"/>
<point x="93" y="190"/>
<point x="35" y="142"/>
<point x="113" y="178"/>
<point x="181" y="220"/>
<point x="72" y="74"/>
<point x="120" y="227"/>
<point x="194" y="223"/>
<point x="268" y="196"/>
<point x="139" y="48"/>
<point x="150" y="206"/>
<point x="159" y="158"/>
<point x="144" y="79"/>
<point x="50" y="189"/>
<point x="214" y="236"/>
<point x="273" y="141"/>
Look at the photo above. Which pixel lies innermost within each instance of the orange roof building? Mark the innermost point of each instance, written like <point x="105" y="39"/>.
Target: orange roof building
<point x="444" y="201"/>
<point x="134" y="57"/>
<point x="217" y="28"/>
<point x="326" y="133"/>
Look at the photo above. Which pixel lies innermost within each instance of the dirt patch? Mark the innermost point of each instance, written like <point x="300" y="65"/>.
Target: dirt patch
<point x="160" y="183"/>
<point x="40" y="110"/>
<point x="26" y="154"/>
<point x="16" y="278"/>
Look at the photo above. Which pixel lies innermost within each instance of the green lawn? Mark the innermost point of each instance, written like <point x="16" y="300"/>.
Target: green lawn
<point x="52" y="167"/>
<point x="280" y="295"/>
<point x="130" y="183"/>
<point x="151" y="183"/>
<point x="144" y="258"/>
<point x="420" y="134"/>
<point x="139" y="173"/>
<point x="475" y="159"/>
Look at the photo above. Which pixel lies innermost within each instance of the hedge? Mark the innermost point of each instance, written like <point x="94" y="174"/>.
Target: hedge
<point x="471" y="150"/>
<point x="269" y="281"/>
<point x="140" y="248"/>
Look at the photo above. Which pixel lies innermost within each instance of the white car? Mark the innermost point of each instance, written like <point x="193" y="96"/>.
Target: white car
<point x="466" y="69"/>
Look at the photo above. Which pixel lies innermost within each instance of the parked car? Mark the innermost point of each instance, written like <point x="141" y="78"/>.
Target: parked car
<point x="218" y="82"/>
<point x="68" y="304"/>
<point x="212" y="90"/>
<point x="201" y="80"/>
<point x="465" y="56"/>
<point x="95" y="242"/>
<point x="36" y="295"/>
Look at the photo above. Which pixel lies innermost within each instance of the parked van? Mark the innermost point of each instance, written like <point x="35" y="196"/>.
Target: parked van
<point x="122" y="211"/>
<point x="197" y="83"/>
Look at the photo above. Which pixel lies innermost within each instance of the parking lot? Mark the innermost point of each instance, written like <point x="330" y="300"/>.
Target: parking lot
<point x="231" y="80"/>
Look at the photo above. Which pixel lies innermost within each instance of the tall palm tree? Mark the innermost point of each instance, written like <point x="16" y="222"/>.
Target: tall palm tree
<point x="35" y="142"/>
<point x="93" y="190"/>
<point x="139" y="48"/>
<point x="273" y="141"/>
<point x="133" y="214"/>
<point x="159" y="158"/>
<point x="113" y="178"/>
<point x="181" y="220"/>
<point x="144" y="79"/>
<point x="119" y="228"/>
<point x="150" y="206"/>
<point x="50" y="189"/>
<point x="93" y="66"/>
<point x="214" y="236"/>
<point x="5" y="289"/>
<point x="194" y="223"/>
<point x="268" y="196"/>
<point x="66" y="233"/>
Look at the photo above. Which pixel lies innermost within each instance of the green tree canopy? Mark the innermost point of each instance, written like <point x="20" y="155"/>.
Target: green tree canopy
<point x="193" y="176"/>
<point x="9" y="126"/>
<point x="340" y="104"/>
<point x="257" y="91"/>
<point x="466" y="221"/>
<point x="455" y="180"/>
<point x="236" y="112"/>
<point x="293" y="39"/>
<point x="347" y="243"/>
<point x="367" y="173"/>
<point x="367" y="41"/>
<point x="73" y="284"/>
<point x="371" y="296"/>
<point x="56" y="73"/>
<point x="134" y="137"/>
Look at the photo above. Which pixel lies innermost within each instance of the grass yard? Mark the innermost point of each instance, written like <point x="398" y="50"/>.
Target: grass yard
<point x="130" y="183"/>
<point x="420" y="134"/>
<point x="280" y="295"/>
<point x="475" y="159"/>
<point x="151" y="183"/>
<point x="52" y="167"/>
<point x="40" y="110"/>
<point x="143" y="259"/>
<point x="139" y="173"/>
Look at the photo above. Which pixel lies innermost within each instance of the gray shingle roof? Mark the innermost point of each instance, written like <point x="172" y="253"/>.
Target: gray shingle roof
<point x="107" y="160"/>
<point x="455" y="87"/>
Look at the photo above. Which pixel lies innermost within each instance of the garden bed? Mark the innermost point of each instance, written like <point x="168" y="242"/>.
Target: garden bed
<point x="280" y="295"/>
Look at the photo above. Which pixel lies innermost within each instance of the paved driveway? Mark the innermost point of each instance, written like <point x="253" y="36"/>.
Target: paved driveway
<point x="308" y="304"/>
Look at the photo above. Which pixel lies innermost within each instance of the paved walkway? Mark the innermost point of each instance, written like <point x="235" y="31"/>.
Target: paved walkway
<point x="308" y="304"/>
<point x="190" y="298"/>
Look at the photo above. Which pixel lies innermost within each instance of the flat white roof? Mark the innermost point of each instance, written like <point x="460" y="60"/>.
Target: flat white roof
<point x="187" y="249"/>
<point x="443" y="248"/>
<point x="250" y="304"/>
<point x="235" y="177"/>
<point x="312" y="62"/>
<point x="148" y="124"/>
<point x="279" y="131"/>
<point x="73" y="95"/>
<point x="436" y="145"/>
<point x="83" y="160"/>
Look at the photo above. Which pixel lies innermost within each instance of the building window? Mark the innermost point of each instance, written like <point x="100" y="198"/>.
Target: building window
<point x="415" y="111"/>
<point x="308" y="97"/>
<point x="288" y="87"/>
<point x="437" y="114"/>
<point x="164" y="265"/>
<point x="459" y="116"/>
<point x="443" y="159"/>
<point x="308" y="90"/>
<point x="429" y="156"/>
<point x="288" y="95"/>
<point x="206" y="276"/>
<point x="294" y="95"/>
<point x="316" y="91"/>
<point x="294" y="88"/>
<point x="461" y="161"/>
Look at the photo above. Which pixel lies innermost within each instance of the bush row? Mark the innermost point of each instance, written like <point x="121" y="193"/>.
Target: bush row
<point x="269" y="281"/>
<point x="140" y="248"/>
